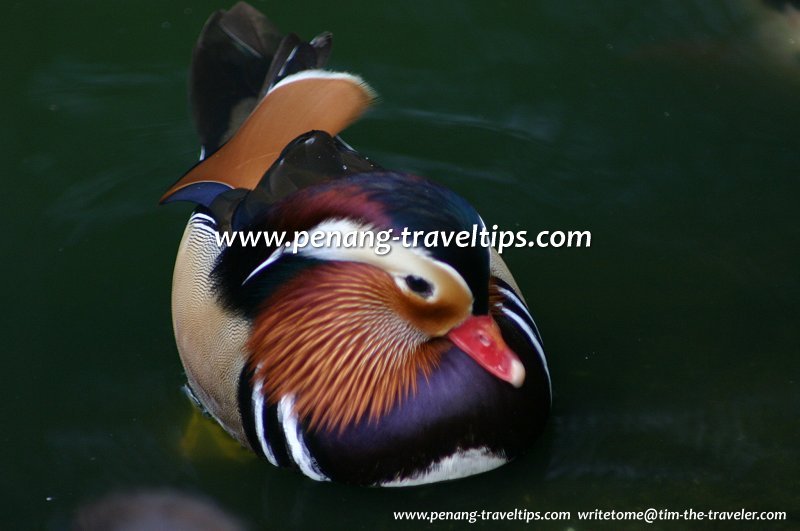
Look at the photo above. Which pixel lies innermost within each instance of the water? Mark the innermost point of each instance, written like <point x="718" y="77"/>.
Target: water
<point x="668" y="129"/>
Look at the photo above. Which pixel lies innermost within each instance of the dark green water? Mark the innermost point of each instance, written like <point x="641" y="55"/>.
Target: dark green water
<point x="669" y="129"/>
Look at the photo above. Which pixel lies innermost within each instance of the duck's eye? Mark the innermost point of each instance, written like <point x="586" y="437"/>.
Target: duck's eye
<point x="419" y="285"/>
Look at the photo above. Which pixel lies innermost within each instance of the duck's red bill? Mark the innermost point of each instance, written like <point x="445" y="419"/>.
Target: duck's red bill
<point x="480" y="338"/>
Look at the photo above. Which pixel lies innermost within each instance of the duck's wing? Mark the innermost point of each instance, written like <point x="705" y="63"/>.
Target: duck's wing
<point x="252" y="93"/>
<point x="309" y="100"/>
<point x="312" y="158"/>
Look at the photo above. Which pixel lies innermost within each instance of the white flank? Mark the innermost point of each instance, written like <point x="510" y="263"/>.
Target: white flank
<point x="461" y="464"/>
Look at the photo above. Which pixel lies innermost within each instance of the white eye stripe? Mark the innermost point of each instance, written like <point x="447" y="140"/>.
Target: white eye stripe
<point x="321" y="253"/>
<point x="399" y="262"/>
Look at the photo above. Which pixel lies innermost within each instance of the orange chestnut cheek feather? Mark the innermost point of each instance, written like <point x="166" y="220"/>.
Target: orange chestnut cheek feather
<point x="333" y="338"/>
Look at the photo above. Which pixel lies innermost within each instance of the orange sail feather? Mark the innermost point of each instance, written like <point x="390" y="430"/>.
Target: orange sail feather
<point x="309" y="100"/>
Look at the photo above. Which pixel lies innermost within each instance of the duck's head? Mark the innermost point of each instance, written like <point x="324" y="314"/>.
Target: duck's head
<point x="348" y="331"/>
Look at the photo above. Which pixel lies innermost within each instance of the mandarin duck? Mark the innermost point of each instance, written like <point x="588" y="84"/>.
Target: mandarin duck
<point x="418" y="365"/>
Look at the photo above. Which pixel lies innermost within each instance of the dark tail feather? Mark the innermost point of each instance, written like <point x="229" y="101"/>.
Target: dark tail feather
<point x="294" y="55"/>
<point x="239" y="55"/>
<point x="229" y="63"/>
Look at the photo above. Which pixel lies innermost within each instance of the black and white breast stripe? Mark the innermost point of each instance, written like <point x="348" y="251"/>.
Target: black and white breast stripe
<point x="257" y="401"/>
<point x="512" y="307"/>
<point x="295" y="440"/>
<point x="274" y="431"/>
